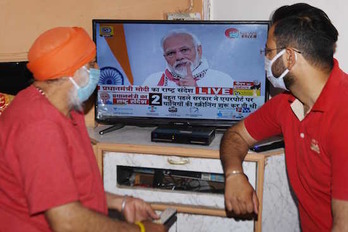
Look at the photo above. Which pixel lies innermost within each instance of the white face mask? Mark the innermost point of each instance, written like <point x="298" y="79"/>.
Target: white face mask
<point x="277" y="82"/>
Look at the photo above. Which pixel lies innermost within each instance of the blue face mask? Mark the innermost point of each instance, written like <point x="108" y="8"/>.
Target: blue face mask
<point x="83" y="93"/>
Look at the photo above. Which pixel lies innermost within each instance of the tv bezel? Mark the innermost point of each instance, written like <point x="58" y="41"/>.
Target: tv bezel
<point x="162" y="121"/>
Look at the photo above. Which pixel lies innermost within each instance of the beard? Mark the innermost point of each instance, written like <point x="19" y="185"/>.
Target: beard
<point x="179" y="67"/>
<point x="278" y="68"/>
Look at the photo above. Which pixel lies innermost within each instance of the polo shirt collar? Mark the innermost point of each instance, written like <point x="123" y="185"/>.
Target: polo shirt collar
<point x="324" y="98"/>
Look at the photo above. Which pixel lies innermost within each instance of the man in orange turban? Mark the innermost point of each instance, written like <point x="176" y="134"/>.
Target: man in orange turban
<point x="49" y="178"/>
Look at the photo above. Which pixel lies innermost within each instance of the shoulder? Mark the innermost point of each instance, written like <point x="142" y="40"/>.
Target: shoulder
<point x="269" y="118"/>
<point x="280" y="103"/>
<point x="337" y="95"/>
<point x="277" y="105"/>
<point x="27" y="104"/>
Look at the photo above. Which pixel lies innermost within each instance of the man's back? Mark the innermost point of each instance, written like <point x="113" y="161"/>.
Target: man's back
<point x="43" y="163"/>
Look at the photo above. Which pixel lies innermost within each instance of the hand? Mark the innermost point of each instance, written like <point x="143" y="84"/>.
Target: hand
<point x="240" y="197"/>
<point x="188" y="80"/>
<point x="154" y="227"/>
<point x="137" y="210"/>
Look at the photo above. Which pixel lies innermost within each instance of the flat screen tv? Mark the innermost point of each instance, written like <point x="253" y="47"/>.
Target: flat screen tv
<point x="199" y="73"/>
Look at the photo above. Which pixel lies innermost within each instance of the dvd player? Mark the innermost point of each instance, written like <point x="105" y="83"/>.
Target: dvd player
<point x="269" y="144"/>
<point x="186" y="135"/>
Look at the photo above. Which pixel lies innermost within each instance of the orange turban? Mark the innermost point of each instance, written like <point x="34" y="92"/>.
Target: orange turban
<point x="59" y="52"/>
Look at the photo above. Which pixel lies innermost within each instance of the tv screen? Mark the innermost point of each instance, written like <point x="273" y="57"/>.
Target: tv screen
<point x="206" y="73"/>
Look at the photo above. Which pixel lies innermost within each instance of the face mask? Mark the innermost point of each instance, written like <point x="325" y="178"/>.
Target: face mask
<point x="276" y="82"/>
<point x="83" y="93"/>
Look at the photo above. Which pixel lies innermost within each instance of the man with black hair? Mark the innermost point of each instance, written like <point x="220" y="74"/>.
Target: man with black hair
<point x="310" y="116"/>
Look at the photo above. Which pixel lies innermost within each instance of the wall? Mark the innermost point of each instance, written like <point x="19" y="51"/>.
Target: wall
<point x="262" y="9"/>
<point x="22" y="21"/>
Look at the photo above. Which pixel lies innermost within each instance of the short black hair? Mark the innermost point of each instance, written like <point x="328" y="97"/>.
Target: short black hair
<point x="308" y="29"/>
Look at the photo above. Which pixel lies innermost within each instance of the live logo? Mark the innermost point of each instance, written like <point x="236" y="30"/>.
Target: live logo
<point x="214" y="90"/>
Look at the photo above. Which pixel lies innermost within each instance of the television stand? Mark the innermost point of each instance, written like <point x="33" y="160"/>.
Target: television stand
<point x="186" y="135"/>
<point x="111" y="128"/>
<point x="197" y="211"/>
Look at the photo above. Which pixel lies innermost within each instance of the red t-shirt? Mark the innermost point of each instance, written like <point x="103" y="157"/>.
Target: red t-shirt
<point x="316" y="148"/>
<point x="46" y="160"/>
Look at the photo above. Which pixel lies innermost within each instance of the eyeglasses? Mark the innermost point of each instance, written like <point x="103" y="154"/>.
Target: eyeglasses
<point x="266" y="50"/>
<point x="184" y="51"/>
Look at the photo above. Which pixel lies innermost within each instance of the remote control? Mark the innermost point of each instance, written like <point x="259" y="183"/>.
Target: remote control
<point x="166" y="215"/>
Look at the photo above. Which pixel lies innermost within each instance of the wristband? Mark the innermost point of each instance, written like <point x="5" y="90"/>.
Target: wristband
<point x="141" y="226"/>
<point x="123" y="204"/>
<point x="235" y="172"/>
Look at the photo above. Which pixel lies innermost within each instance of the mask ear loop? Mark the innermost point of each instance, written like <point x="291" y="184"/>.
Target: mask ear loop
<point x="84" y="67"/>
<point x="286" y="70"/>
<point x="278" y="55"/>
<point x="74" y="83"/>
<point x="275" y="58"/>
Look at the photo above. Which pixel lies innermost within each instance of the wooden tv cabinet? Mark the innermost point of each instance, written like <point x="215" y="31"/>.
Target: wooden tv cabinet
<point x="132" y="147"/>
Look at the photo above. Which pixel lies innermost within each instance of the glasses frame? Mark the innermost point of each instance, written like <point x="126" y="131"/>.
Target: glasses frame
<point x="266" y="50"/>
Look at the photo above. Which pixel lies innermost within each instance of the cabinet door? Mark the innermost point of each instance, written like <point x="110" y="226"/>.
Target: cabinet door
<point x="114" y="160"/>
<point x="204" y="223"/>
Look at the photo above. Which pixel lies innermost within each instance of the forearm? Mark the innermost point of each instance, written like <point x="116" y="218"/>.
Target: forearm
<point x="114" y="201"/>
<point x="75" y="217"/>
<point x="132" y="209"/>
<point x="340" y="215"/>
<point x="240" y="197"/>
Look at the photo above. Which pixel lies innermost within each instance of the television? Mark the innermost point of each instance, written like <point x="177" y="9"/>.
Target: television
<point x="144" y="66"/>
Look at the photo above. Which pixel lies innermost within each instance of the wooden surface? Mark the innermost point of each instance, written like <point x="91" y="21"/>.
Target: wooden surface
<point x="138" y="140"/>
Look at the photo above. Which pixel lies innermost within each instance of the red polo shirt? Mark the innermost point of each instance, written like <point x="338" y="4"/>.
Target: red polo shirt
<point x="316" y="147"/>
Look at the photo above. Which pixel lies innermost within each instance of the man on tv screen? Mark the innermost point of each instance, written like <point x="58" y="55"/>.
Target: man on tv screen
<point x="186" y="66"/>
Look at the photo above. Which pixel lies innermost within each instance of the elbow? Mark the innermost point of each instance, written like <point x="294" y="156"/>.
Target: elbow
<point x="339" y="227"/>
<point x="61" y="226"/>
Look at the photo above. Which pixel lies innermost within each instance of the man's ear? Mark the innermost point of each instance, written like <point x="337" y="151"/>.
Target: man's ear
<point x="291" y="58"/>
<point x="199" y="51"/>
